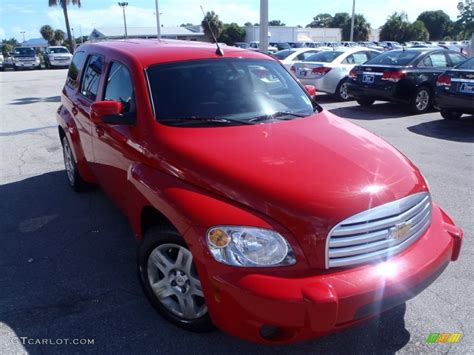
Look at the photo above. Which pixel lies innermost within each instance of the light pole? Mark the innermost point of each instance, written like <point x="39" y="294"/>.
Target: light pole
<point x="158" y="29"/>
<point x="123" y="5"/>
<point x="263" y="46"/>
<point x="23" y="33"/>
<point x="352" y="20"/>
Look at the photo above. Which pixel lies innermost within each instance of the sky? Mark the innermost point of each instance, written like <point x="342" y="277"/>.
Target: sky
<point x="29" y="16"/>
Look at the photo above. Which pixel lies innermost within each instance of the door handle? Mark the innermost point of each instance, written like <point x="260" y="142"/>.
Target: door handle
<point x="74" y="111"/>
<point x="100" y="131"/>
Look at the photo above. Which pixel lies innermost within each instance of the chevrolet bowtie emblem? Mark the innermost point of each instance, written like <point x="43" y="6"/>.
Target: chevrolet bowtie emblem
<point x="399" y="231"/>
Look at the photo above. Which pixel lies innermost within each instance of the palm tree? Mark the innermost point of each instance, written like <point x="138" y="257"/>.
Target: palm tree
<point x="212" y="23"/>
<point x="64" y="4"/>
<point x="59" y="37"/>
<point x="47" y="33"/>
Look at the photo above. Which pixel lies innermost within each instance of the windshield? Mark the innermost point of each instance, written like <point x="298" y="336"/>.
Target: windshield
<point x="468" y="64"/>
<point x="284" y="53"/>
<point x="399" y="58"/>
<point x="24" y="51"/>
<point x="227" y="89"/>
<point x="58" y="50"/>
<point x="325" y="56"/>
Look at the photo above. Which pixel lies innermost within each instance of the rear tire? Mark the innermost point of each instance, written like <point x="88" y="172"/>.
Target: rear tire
<point x="341" y="91"/>
<point x="75" y="180"/>
<point x="421" y="101"/>
<point x="451" y="115"/>
<point x="170" y="281"/>
<point x="365" y="102"/>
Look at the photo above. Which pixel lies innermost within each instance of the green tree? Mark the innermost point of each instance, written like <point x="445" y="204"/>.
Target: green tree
<point x="59" y="36"/>
<point x="417" y="32"/>
<point x="64" y="4"/>
<point x="321" y="20"/>
<point x="436" y="22"/>
<point x="212" y="23"/>
<point x="361" y="29"/>
<point x="275" y="23"/>
<point x="47" y="33"/>
<point x="396" y="28"/>
<point x="248" y="24"/>
<point x="231" y="33"/>
<point x="340" y="19"/>
<point x="466" y="19"/>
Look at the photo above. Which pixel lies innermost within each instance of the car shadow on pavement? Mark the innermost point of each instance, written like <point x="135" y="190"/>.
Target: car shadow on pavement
<point x="378" y="111"/>
<point x="461" y="130"/>
<point x="34" y="100"/>
<point x="68" y="271"/>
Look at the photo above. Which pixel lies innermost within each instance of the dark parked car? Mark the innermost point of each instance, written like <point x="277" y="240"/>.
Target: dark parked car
<point x="455" y="91"/>
<point x="280" y="45"/>
<point x="407" y="76"/>
<point x="25" y="57"/>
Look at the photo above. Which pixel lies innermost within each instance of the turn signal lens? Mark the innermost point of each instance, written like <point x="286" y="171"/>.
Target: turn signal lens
<point x="218" y="238"/>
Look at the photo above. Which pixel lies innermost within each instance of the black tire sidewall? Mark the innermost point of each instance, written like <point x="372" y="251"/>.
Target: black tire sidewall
<point x="451" y="115"/>
<point x="153" y="238"/>
<point x="365" y="102"/>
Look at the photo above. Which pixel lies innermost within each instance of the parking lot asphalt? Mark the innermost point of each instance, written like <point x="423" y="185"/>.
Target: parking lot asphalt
<point x="67" y="260"/>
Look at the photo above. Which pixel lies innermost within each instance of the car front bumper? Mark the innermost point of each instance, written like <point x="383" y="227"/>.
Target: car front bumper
<point x="60" y="63"/>
<point x="241" y="302"/>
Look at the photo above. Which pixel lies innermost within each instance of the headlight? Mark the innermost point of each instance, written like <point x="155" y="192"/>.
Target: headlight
<point x="247" y="246"/>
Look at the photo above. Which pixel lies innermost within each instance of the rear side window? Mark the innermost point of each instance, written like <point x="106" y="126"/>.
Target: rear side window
<point x="91" y="77"/>
<point x="283" y="54"/>
<point x="456" y="58"/>
<point x="75" y="68"/>
<point x="438" y="60"/>
<point x="306" y="55"/>
<point x="120" y="87"/>
<point x="356" y="58"/>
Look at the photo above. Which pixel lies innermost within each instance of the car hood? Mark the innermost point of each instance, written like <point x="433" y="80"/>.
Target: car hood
<point x="307" y="174"/>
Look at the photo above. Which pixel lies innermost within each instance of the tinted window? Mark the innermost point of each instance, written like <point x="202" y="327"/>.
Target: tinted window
<point x="24" y="51"/>
<point x="456" y="58"/>
<point x="91" y="77"/>
<point x="229" y="88"/>
<point x="119" y="87"/>
<point x="283" y="54"/>
<point x="326" y="56"/>
<point x="58" y="50"/>
<point x="399" y="58"/>
<point x="467" y="65"/>
<point x="74" y="68"/>
<point x="305" y="55"/>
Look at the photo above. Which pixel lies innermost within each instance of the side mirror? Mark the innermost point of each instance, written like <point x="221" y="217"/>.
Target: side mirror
<point x="311" y="90"/>
<point x="103" y="109"/>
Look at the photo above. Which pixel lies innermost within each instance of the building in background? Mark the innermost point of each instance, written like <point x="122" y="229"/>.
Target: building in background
<point x="294" y="34"/>
<point x="36" y="43"/>
<point x="192" y="33"/>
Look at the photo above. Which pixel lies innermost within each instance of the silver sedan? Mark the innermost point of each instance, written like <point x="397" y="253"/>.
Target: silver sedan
<point x="328" y="70"/>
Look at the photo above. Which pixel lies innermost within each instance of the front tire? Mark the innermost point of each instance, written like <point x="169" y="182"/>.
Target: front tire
<point x="75" y="180"/>
<point x="451" y="115"/>
<point x="170" y="281"/>
<point x="421" y="101"/>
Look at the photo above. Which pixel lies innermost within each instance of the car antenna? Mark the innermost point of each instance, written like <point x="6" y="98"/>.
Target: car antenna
<point x="219" y="50"/>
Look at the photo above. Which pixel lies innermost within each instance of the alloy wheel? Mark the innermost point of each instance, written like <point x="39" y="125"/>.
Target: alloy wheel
<point x="422" y="100"/>
<point x="68" y="161"/>
<point x="174" y="281"/>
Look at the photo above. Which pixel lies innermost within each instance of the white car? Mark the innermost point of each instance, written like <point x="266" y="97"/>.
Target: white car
<point x="57" y="57"/>
<point x="328" y="71"/>
<point x="289" y="56"/>
<point x="255" y="46"/>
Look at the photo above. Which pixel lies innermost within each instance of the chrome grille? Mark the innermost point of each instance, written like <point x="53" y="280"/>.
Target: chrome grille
<point x="379" y="232"/>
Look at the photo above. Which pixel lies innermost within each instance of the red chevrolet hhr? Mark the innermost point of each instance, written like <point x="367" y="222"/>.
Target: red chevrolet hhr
<point x="256" y="210"/>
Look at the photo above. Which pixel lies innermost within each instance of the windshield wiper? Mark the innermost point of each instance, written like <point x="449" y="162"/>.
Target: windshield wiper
<point x="277" y="115"/>
<point x="197" y="119"/>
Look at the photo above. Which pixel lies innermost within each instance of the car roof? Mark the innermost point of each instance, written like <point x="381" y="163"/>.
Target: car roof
<point x="147" y="52"/>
